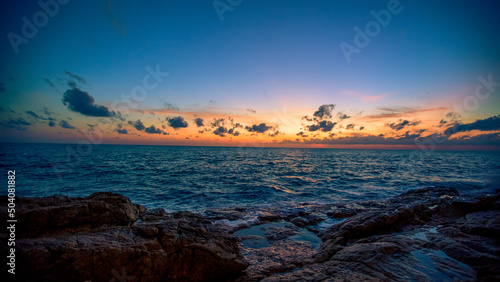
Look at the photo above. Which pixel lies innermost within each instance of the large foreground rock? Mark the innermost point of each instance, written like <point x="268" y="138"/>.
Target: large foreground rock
<point x="105" y="237"/>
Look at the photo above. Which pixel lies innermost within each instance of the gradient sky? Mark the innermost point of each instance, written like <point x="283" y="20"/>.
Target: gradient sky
<point x="261" y="66"/>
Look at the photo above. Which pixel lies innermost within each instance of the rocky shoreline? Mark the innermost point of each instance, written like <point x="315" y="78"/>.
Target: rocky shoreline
<point x="431" y="234"/>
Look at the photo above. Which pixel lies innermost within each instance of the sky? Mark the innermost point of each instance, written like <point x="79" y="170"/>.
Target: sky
<point x="347" y="74"/>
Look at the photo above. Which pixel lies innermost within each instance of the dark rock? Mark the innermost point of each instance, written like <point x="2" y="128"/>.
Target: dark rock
<point x="97" y="238"/>
<point x="154" y="214"/>
<point x="299" y="221"/>
<point x="341" y="213"/>
<point x="420" y="235"/>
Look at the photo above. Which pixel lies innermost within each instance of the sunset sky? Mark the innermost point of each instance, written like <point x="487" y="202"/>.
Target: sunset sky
<point x="252" y="73"/>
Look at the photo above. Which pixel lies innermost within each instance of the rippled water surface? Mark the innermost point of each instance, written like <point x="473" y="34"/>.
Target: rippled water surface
<point x="195" y="178"/>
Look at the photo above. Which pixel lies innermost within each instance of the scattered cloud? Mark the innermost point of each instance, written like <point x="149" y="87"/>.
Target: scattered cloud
<point x="137" y="124"/>
<point x="453" y="116"/>
<point x="81" y="102"/>
<point x="19" y="124"/>
<point x="65" y="124"/>
<point x="221" y="131"/>
<point x="2" y="87"/>
<point x="169" y="106"/>
<point x="324" y="126"/>
<point x="121" y="131"/>
<point x="153" y="130"/>
<point x="324" y="111"/>
<point x="177" y="122"/>
<point x="489" y="124"/>
<point x="36" y="116"/>
<point x="74" y="76"/>
<point x="350" y="126"/>
<point x="198" y="122"/>
<point x="342" y="116"/>
<point x="400" y="124"/>
<point x="251" y="110"/>
<point x="261" y="128"/>
<point x="232" y="131"/>
<point x="52" y="124"/>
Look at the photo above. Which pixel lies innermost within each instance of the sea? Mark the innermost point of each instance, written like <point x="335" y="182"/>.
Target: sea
<point x="179" y="178"/>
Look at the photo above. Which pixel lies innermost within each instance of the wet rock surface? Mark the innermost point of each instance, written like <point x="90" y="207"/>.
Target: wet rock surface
<point x="99" y="238"/>
<point x="431" y="234"/>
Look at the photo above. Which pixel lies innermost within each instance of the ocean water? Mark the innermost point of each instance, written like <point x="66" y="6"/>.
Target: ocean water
<point x="197" y="178"/>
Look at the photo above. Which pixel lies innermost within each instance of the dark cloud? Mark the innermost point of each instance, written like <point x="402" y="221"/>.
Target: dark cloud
<point x="233" y="132"/>
<point x="407" y="138"/>
<point x="261" y="128"/>
<point x="276" y="132"/>
<point x="74" y="76"/>
<point x="212" y="102"/>
<point x="361" y="127"/>
<point x="81" y="102"/>
<point x="453" y="116"/>
<point x="302" y="134"/>
<point x="18" y="124"/>
<point x="153" y="130"/>
<point x="324" y="126"/>
<point x="221" y="131"/>
<point x="137" y="124"/>
<point x="324" y="111"/>
<point x="50" y="83"/>
<point x="491" y="123"/>
<point x="308" y="118"/>
<point x="342" y="116"/>
<point x="492" y="139"/>
<point x="251" y="110"/>
<point x="91" y="126"/>
<point x="52" y="124"/>
<point x="400" y="124"/>
<point x="121" y="131"/>
<point x="119" y="116"/>
<point x="2" y="87"/>
<point x="36" y="116"/>
<point x="177" y="122"/>
<point x="65" y="124"/>
<point x="350" y="126"/>
<point x="218" y="122"/>
<point x="169" y="106"/>
<point x="33" y="114"/>
<point x="198" y="122"/>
